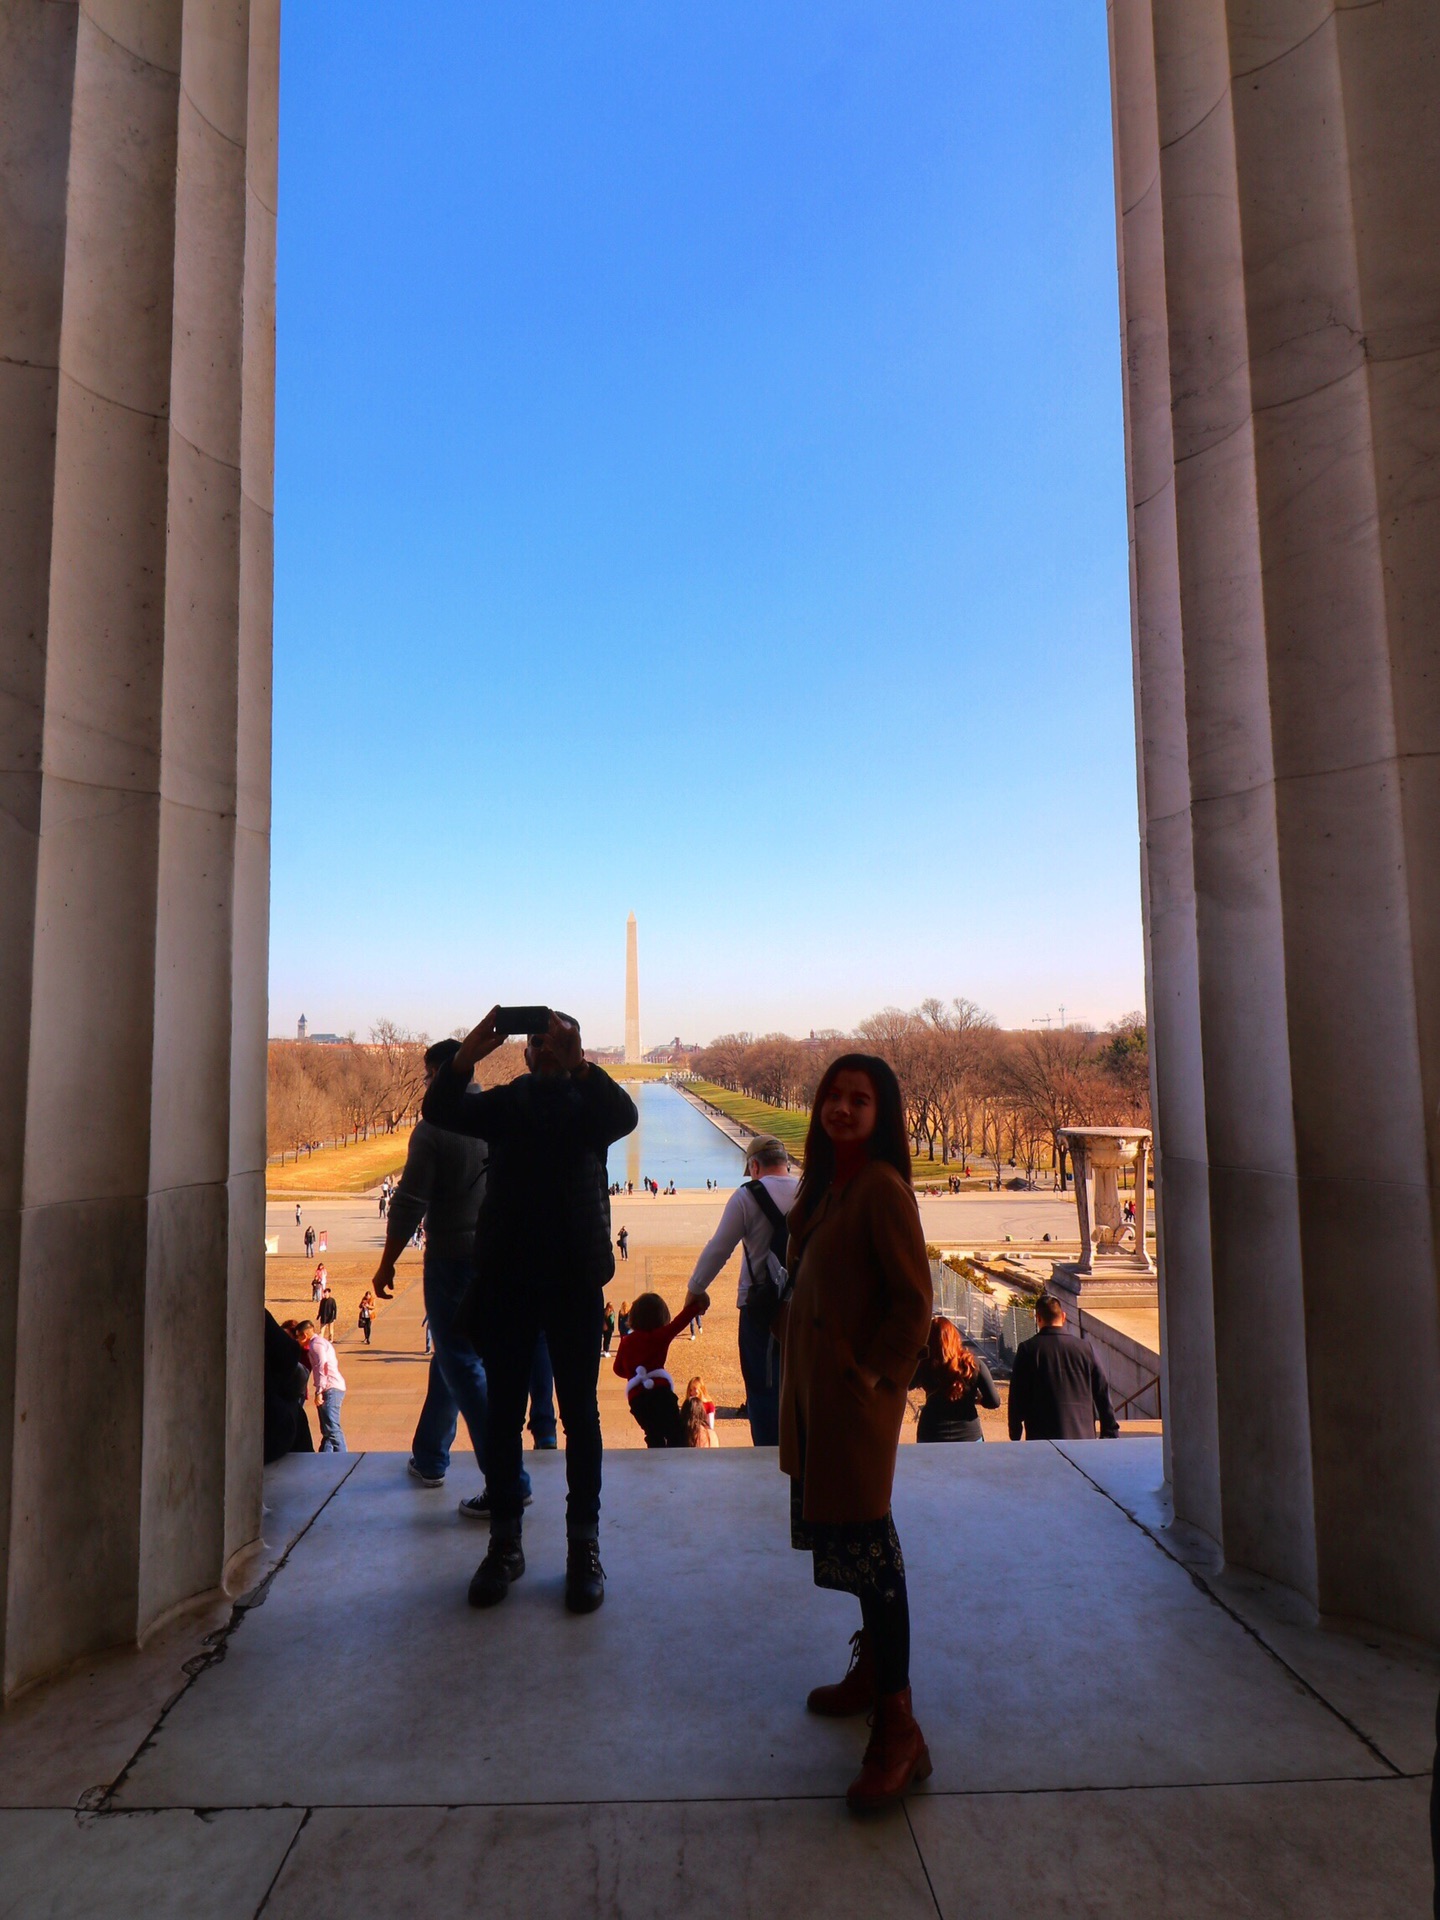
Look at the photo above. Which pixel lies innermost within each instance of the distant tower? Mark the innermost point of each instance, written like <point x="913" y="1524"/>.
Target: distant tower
<point x="632" y="994"/>
<point x="302" y="1029"/>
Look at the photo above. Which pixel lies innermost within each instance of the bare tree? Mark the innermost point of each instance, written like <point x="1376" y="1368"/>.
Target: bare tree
<point x="1051" y="1071"/>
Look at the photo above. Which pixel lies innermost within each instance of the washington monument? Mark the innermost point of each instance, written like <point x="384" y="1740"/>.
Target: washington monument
<point x="632" y="994"/>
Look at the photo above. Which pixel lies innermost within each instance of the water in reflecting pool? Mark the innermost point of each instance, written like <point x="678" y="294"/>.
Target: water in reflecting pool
<point x="673" y="1142"/>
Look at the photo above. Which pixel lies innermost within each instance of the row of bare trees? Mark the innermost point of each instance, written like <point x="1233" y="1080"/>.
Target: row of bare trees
<point x="321" y="1095"/>
<point x="971" y="1091"/>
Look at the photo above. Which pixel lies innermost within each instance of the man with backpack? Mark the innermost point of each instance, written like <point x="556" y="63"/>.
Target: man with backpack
<point x="755" y="1219"/>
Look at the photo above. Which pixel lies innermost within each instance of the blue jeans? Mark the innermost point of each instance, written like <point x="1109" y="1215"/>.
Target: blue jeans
<point x="542" y="1396"/>
<point x="332" y="1439"/>
<point x="760" y="1369"/>
<point x="457" y="1382"/>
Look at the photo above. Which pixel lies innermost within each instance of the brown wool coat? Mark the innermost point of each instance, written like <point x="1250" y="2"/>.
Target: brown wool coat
<point x="862" y="1296"/>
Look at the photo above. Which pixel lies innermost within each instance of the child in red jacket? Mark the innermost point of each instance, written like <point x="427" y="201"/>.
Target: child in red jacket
<point x="640" y="1360"/>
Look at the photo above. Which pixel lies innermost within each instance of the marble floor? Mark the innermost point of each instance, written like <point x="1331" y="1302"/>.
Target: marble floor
<point x="1117" y="1729"/>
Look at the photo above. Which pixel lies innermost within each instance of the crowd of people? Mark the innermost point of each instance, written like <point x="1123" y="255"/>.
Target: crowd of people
<point x="836" y="1328"/>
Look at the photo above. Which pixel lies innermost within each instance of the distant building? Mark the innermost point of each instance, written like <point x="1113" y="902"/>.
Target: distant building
<point x="676" y="1053"/>
<point x="302" y="1032"/>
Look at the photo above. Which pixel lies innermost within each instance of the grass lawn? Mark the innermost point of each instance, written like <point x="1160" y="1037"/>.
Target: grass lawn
<point x="352" y="1169"/>
<point x="790" y="1127"/>
<point x="786" y="1125"/>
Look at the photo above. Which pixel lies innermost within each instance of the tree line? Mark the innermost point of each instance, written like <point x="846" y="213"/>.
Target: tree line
<point x="328" y="1095"/>
<point x="971" y="1090"/>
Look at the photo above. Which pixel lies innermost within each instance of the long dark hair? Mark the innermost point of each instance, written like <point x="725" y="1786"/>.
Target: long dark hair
<point x="889" y="1142"/>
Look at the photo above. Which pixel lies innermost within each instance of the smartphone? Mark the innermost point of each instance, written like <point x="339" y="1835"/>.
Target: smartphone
<point x="525" y="1020"/>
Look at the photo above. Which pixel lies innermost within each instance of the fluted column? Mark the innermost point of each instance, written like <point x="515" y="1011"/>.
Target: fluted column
<point x="138" y="1282"/>
<point x="37" y="69"/>
<point x="1299" y="372"/>
<point x="1168" y="869"/>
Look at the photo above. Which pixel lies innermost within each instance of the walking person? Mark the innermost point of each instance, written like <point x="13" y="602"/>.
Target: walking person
<point x="956" y="1382"/>
<point x="443" y="1185"/>
<point x="329" y="1385"/>
<point x="755" y="1218"/>
<point x="318" y="1282"/>
<point x="309" y="1243"/>
<point x="367" y="1315"/>
<point x="327" y="1313"/>
<point x="544" y="1257"/>
<point x="609" y="1333"/>
<point x="854" y="1329"/>
<point x="1057" y="1390"/>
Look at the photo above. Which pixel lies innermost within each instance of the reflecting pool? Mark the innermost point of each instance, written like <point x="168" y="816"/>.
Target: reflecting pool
<point x="673" y="1142"/>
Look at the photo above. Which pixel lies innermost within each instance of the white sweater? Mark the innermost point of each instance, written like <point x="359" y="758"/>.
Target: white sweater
<point x="743" y="1221"/>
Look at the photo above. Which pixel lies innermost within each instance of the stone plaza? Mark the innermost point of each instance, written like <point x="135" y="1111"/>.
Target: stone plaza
<point x="1182" y="1677"/>
<point x="1117" y="1726"/>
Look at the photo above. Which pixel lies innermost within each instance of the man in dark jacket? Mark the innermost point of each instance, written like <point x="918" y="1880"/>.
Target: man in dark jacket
<point x="443" y="1185"/>
<point x="1057" y="1391"/>
<point x="542" y="1257"/>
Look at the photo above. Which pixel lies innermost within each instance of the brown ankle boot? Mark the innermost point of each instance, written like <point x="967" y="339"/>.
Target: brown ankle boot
<point x="894" y="1760"/>
<point x="856" y="1692"/>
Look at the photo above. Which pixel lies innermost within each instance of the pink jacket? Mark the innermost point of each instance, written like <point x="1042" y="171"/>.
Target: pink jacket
<point x="323" y="1369"/>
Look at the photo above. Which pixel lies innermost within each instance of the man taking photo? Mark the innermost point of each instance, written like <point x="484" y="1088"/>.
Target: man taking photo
<point x="543" y="1255"/>
<point x="443" y="1185"/>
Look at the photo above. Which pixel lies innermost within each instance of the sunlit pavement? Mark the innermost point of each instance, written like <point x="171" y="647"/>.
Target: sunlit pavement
<point x="689" y="1218"/>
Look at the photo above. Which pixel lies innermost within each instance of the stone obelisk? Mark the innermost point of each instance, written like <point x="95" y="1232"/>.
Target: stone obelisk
<point x="632" y="994"/>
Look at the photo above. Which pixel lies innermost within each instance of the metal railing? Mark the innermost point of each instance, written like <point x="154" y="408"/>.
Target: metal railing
<point x="1147" y="1386"/>
<point x="981" y="1316"/>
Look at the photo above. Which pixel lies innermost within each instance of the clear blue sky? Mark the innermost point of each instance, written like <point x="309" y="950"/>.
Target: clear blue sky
<point x="700" y="493"/>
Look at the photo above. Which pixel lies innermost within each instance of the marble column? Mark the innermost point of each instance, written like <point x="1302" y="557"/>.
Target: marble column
<point x="138" y="384"/>
<point x="1278" y="181"/>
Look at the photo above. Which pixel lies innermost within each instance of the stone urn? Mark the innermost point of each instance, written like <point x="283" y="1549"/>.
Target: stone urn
<point x="1110" y="1244"/>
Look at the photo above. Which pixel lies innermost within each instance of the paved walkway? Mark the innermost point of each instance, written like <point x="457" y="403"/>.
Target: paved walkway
<point x="1111" y="1736"/>
<point x="688" y="1219"/>
<point x="387" y="1381"/>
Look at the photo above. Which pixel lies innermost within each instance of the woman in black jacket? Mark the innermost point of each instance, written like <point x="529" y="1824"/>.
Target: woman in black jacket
<point x="955" y="1379"/>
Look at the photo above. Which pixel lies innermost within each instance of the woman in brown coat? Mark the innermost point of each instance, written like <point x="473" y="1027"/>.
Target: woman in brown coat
<point x="855" y="1327"/>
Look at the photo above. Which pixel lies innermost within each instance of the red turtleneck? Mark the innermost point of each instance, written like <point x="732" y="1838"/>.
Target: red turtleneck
<point x="850" y="1157"/>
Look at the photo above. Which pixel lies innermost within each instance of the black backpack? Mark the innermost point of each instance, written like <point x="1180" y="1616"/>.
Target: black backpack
<point x="770" y="1287"/>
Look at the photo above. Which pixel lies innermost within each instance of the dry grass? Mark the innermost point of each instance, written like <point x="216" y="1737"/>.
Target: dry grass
<point x="353" y="1169"/>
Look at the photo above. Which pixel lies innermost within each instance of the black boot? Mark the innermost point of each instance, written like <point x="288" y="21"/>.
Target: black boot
<point x="503" y="1563"/>
<point x="584" y="1576"/>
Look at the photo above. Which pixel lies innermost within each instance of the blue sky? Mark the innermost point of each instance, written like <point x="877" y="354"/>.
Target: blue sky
<point x="700" y="492"/>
